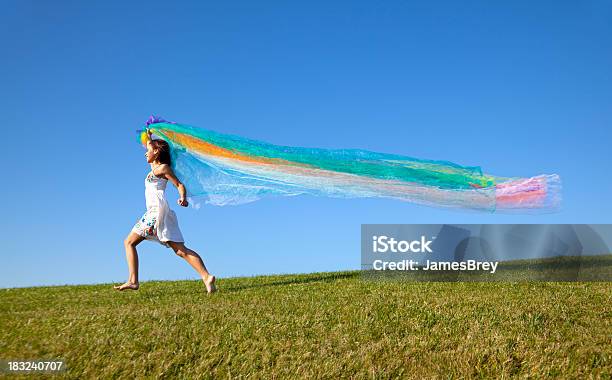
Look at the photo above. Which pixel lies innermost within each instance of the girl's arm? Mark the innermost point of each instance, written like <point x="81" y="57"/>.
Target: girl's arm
<point x="166" y="170"/>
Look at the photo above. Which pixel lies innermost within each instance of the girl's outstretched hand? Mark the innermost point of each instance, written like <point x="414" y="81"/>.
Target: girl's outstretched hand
<point x="183" y="202"/>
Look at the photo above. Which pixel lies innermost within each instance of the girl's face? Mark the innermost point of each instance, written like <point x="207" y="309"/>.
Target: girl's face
<point x="149" y="154"/>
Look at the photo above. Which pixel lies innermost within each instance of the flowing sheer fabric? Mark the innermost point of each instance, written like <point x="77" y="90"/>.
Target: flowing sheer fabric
<point x="223" y="169"/>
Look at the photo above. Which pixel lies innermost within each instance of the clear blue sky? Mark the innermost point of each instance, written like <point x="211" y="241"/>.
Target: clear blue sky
<point x="519" y="88"/>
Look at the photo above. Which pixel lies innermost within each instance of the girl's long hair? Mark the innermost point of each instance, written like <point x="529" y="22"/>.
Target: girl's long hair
<point x="161" y="151"/>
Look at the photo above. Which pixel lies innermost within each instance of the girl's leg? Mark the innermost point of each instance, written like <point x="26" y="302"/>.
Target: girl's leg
<point x="130" y="243"/>
<point x="196" y="262"/>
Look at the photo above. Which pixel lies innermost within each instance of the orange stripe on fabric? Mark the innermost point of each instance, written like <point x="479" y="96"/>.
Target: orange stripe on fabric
<point x="214" y="150"/>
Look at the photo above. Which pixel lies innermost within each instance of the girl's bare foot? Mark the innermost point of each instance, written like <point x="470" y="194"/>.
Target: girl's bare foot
<point x="127" y="285"/>
<point x="210" y="284"/>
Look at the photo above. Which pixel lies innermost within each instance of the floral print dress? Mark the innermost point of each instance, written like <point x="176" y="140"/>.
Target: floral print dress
<point x="159" y="222"/>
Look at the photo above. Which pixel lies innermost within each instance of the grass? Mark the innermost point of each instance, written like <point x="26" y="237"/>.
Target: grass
<point x="324" y="325"/>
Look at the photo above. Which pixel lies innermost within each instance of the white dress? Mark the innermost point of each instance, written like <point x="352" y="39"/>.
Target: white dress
<point x="159" y="222"/>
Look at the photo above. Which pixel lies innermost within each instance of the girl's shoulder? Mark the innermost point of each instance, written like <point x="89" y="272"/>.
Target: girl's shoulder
<point x="161" y="169"/>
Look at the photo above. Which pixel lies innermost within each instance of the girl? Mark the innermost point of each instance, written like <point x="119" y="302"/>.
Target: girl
<point x="159" y="223"/>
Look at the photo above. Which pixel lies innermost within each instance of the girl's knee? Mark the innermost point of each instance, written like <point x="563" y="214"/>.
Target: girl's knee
<point x="132" y="240"/>
<point x="177" y="246"/>
<point x="180" y="252"/>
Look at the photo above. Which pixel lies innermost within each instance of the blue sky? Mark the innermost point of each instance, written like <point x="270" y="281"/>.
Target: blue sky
<point x="519" y="88"/>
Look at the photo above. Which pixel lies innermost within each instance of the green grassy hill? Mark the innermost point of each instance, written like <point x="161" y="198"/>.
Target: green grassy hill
<point x="317" y="325"/>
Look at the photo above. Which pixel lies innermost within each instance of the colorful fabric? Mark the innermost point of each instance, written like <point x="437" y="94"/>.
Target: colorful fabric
<point x="226" y="169"/>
